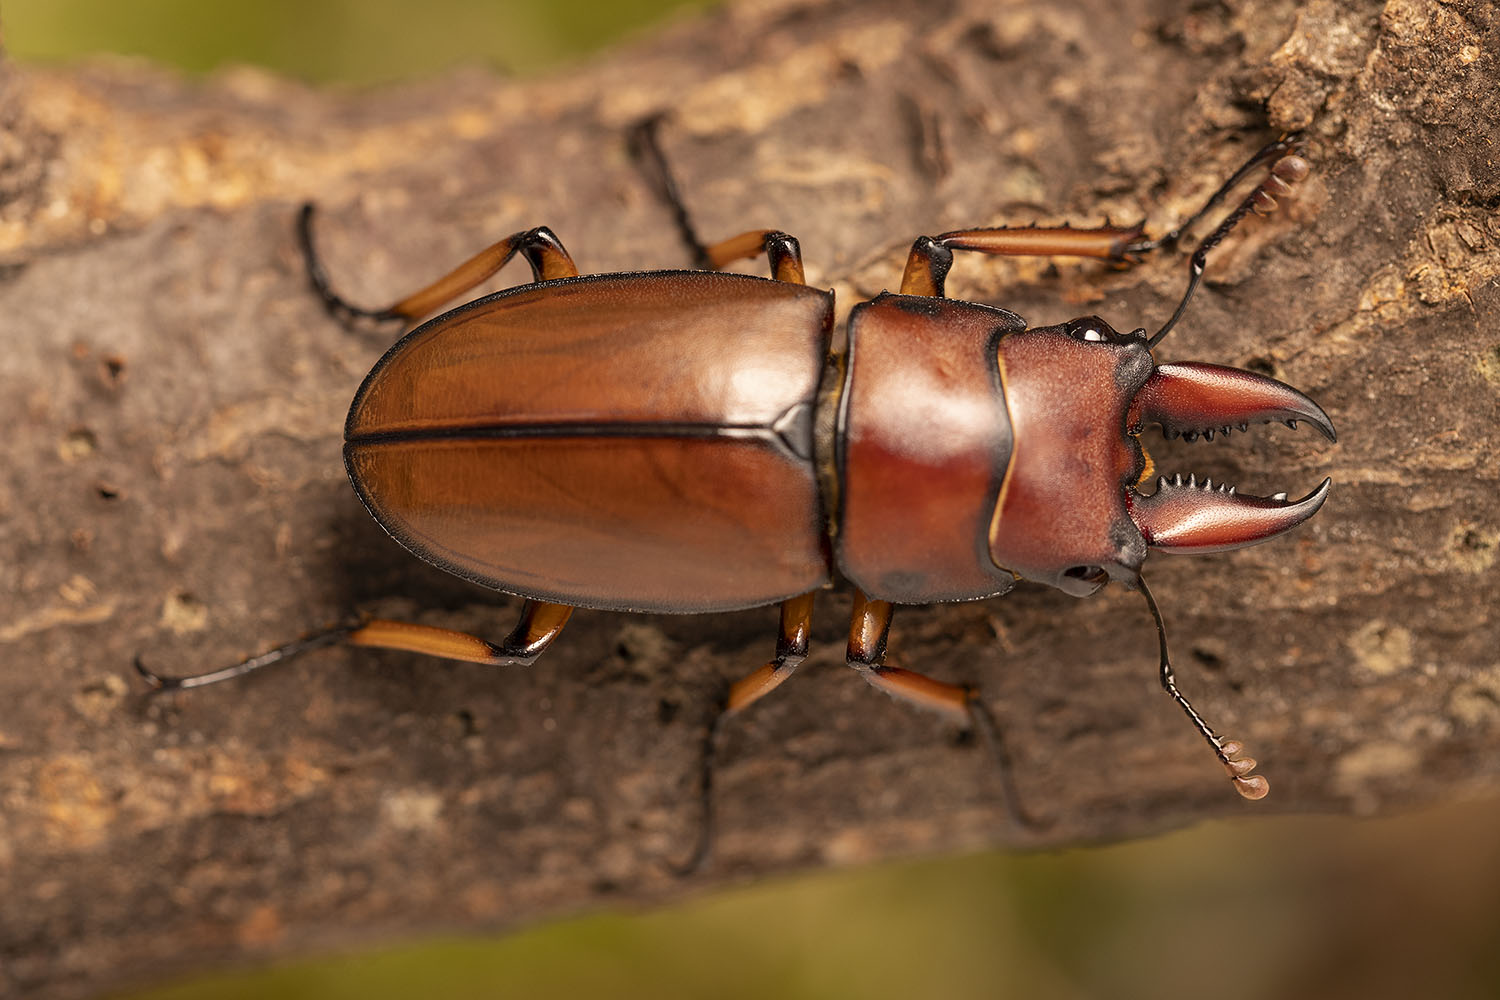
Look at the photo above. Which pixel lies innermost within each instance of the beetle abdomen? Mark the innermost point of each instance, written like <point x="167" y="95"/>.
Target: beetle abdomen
<point x="637" y="442"/>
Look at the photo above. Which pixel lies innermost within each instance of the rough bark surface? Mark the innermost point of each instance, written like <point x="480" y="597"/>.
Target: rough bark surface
<point x="171" y="480"/>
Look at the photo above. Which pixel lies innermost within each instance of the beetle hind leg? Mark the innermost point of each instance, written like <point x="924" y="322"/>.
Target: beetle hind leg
<point x="540" y="623"/>
<point x="549" y="259"/>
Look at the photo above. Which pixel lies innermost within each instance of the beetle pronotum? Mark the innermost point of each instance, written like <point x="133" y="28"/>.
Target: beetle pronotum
<point x="951" y="451"/>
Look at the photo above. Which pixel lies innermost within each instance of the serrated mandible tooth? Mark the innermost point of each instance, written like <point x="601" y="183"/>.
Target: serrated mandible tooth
<point x="1278" y="496"/>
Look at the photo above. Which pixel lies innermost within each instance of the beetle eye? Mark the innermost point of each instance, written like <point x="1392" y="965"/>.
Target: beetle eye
<point x="1091" y="329"/>
<point x="1083" y="572"/>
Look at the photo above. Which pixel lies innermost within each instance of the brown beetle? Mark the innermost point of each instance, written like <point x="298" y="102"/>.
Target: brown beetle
<point x="682" y="441"/>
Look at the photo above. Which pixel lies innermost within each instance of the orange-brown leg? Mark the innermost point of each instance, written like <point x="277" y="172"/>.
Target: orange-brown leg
<point x="540" y="623"/>
<point x="540" y="246"/>
<point x="931" y="256"/>
<point x="869" y="629"/>
<point x="791" y="649"/>
<point x="784" y="253"/>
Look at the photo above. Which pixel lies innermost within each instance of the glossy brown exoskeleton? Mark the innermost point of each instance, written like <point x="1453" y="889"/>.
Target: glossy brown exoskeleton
<point x="682" y="441"/>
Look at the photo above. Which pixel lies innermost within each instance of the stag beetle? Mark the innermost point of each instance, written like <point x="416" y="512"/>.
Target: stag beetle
<point x="685" y="442"/>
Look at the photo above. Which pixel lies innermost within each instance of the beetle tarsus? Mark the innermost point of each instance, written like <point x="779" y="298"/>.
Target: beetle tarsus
<point x="164" y="682"/>
<point x="151" y="677"/>
<point x="708" y="755"/>
<point x="645" y="148"/>
<point x="982" y="723"/>
<point x="337" y="307"/>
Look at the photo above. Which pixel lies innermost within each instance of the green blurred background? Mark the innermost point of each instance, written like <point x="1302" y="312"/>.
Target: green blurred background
<point x="1284" y="908"/>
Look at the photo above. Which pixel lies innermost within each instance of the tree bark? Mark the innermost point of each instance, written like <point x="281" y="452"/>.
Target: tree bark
<point x="172" y="482"/>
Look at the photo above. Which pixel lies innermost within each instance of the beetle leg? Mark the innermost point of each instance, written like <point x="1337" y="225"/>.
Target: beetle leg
<point x="791" y="649"/>
<point x="931" y="256"/>
<point x="540" y="623"/>
<point x="540" y="246"/>
<point x="869" y="630"/>
<point x="784" y="252"/>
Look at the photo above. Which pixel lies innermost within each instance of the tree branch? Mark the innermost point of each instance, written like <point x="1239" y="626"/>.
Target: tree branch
<point x="173" y="486"/>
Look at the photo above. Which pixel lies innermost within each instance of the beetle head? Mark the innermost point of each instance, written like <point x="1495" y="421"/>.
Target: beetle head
<point x="1071" y="513"/>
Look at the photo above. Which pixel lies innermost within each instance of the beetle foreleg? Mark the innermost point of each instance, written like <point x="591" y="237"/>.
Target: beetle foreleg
<point x="540" y="246"/>
<point x="869" y="629"/>
<point x="1251" y="786"/>
<point x="540" y="623"/>
<point x="931" y="256"/>
<point x="1279" y="154"/>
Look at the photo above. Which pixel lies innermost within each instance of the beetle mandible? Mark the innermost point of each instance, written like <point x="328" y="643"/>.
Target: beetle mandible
<point x="684" y="441"/>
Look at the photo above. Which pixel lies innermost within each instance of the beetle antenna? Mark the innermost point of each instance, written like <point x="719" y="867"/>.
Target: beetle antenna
<point x="1229" y="752"/>
<point x="319" y="640"/>
<point x="645" y="147"/>
<point x="1287" y="168"/>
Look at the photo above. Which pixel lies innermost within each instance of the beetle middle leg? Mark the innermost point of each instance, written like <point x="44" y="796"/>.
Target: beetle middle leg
<point x="540" y="623"/>
<point x="783" y="251"/>
<point x="791" y="649"/>
<point x="542" y="249"/>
